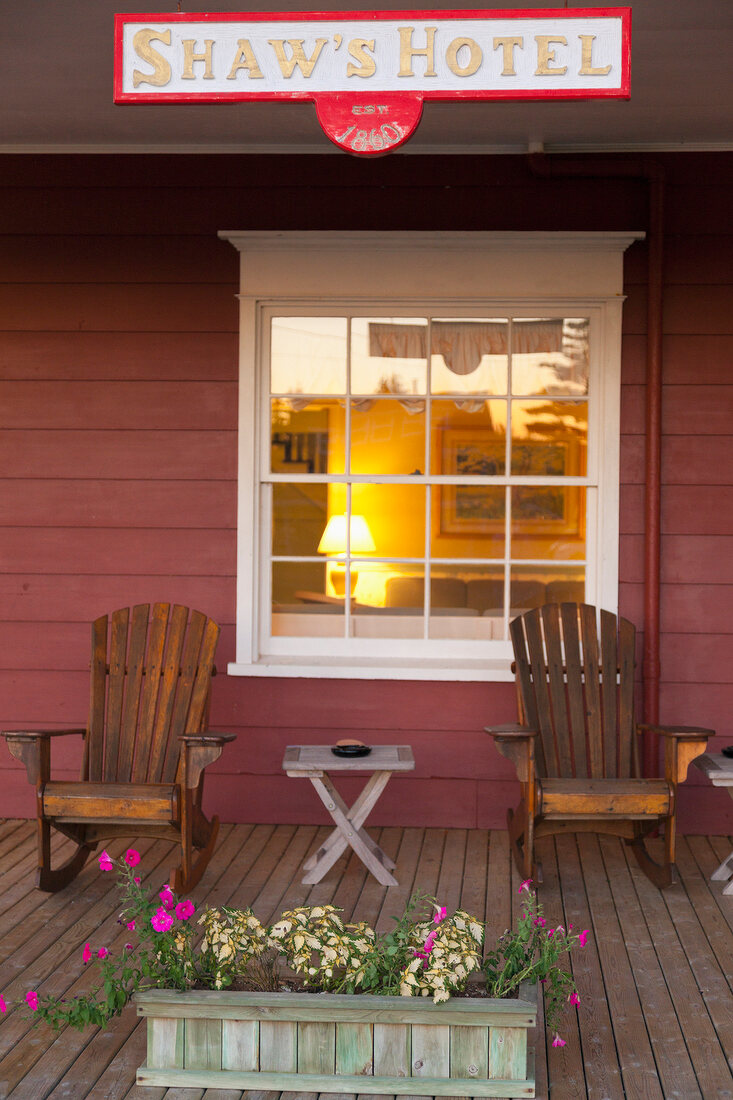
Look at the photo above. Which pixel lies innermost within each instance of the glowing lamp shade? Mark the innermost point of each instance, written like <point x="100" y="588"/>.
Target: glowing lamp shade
<point x="333" y="542"/>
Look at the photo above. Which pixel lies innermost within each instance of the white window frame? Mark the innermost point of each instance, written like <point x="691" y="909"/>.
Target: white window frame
<point x="575" y="274"/>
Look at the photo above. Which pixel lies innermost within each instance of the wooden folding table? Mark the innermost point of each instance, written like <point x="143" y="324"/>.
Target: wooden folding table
<point x="719" y="770"/>
<point x="314" y="762"/>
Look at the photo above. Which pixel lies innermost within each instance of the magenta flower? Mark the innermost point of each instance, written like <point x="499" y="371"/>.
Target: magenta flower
<point x="102" y="953"/>
<point x="128" y="947"/>
<point x="541" y="921"/>
<point x="441" y="914"/>
<point x="3" y="1006"/>
<point x="32" y="999"/>
<point x="132" y="858"/>
<point x="105" y="862"/>
<point x="574" y="998"/>
<point x="550" y="934"/>
<point x="166" y="896"/>
<point x="161" y="920"/>
<point x="86" y="953"/>
<point x="130" y="926"/>
<point x="583" y="937"/>
<point x="185" y="909"/>
<point x="559" y="928"/>
<point x="525" y="885"/>
<point x="558" y="1042"/>
<point x="137" y="880"/>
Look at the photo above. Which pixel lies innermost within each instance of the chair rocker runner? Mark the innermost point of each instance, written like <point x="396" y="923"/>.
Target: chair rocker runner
<point x="576" y="748"/>
<point x="145" y="747"/>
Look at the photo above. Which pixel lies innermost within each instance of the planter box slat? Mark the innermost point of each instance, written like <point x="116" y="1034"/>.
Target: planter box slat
<point x="354" y="1049"/>
<point x="278" y="1047"/>
<point x="240" y="1044"/>
<point x="430" y="1050"/>
<point x="469" y="1052"/>
<point x="310" y="1043"/>
<point x="508" y="1052"/>
<point x="282" y="1082"/>
<point x="392" y="1050"/>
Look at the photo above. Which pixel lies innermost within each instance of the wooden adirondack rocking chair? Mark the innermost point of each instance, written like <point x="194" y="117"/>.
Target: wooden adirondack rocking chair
<point x="145" y="747"/>
<point x="576" y="747"/>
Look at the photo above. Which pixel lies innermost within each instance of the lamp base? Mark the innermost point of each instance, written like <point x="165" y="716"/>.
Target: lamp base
<point x="338" y="579"/>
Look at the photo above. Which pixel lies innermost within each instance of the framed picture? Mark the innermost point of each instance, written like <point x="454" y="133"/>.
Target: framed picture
<point x="480" y="510"/>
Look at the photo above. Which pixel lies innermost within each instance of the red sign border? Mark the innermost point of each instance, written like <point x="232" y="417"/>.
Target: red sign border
<point x="623" y="92"/>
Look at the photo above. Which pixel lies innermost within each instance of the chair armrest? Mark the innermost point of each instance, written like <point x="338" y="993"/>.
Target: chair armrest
<point x="35" y="734"/>
<point x="686" y="733"/>
<point x="682" y="745"/>
<point x="200" y="750"/>
<point x="516" y="743"/>
<point x="33" y="748"/>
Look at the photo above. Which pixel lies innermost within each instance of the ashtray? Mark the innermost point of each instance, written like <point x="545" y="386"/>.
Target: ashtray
<point x="355" y="748"/>
<point x="727" y="751"/>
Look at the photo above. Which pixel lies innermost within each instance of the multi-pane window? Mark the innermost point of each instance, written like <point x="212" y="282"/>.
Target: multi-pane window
<point x="423" y="477"/>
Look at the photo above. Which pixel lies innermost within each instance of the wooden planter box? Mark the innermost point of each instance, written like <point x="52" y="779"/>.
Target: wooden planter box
<point x="326" y="1042"/>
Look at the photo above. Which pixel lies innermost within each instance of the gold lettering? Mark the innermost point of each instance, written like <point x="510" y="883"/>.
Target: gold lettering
<point x="367" y="65"/>
<point x="507" y="46"/>
<point x="245" y="59"/>
<point x="474" y="62"/>
<point x="161" y="69"/>
<point x="407" y="52"/>
<point x="189" y="44"/>
<point x="546" y="55"/>
<point x="287" y="64"/>
<point x="586" y="67"/>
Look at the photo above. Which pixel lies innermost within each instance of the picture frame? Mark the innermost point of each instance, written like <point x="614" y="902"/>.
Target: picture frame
<point x="477" y="510"/>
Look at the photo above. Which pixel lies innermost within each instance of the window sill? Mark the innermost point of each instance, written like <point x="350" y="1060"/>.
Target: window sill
<point x="498" y="670"/>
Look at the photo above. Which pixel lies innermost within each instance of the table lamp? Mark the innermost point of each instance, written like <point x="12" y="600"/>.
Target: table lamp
<point x="333" y="543"/>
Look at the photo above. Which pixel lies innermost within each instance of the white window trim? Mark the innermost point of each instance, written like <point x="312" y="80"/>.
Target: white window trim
<point x="573" y="272"/>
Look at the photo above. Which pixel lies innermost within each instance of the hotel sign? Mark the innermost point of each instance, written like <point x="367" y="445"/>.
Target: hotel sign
<point x="369" y="73"/>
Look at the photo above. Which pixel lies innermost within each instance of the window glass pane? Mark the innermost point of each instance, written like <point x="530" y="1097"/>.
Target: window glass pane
<point x="550" y="355"/>
<point x="468" y="437"/>
<point x="467" y="521"/>
<point x="395" y="516"/>
<point x="390" y="601"/>
<point x="548" y="521"/>
<point x="308" y="355"/>
<point x="388" y="435"/>
<point x="389" y="354"/>
<point x="468" y="356"/>
<point x="300" y="606"/>
<point x="549" y="438"/>
<point x="307" y="437"/>
<point x="534" y="586"/>
<point x="465" y="602"/>
<point x="299" y="513"/>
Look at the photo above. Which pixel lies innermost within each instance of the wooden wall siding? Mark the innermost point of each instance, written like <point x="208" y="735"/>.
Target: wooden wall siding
<point x="118" y="376"/>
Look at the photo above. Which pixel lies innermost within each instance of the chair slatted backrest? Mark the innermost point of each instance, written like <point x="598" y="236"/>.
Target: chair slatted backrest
<point x="577" y="690"/>
<point x="151" y="679"/>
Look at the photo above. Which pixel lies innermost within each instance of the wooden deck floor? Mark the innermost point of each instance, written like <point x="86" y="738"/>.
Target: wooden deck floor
<point x="656" y="1018"/>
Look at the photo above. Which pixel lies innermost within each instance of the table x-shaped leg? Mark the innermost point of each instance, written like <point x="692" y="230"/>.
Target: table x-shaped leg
<point x="349" y="830"/>
<point x="724" y="872"/>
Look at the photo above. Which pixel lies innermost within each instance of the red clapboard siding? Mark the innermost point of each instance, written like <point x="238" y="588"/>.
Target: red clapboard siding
<point x="687" y="360"/>
<point x="698" y="607"/>
<point x="693" y="460"/>
<point x="631" y="465"/>
<point x="707" y="705"/>
<point x="697" y="658"/>
<point x="115" y="550"/>
<point x="127" y="504"/>
<point x="160" y="405"/>
<point x="119" y="307"/>
<point x="697" y="410"/>
<point x="687" y="309"/>
<point x="688" y="260"/>
<point x="119" y="356"/>
<point x="707" y="558"/>
<point x="632" y="409"/>
<point x="81" y="597"/>
<point x="686" y="509"/>
<point x="118" y="259"/>
<point x="138" y="455"/>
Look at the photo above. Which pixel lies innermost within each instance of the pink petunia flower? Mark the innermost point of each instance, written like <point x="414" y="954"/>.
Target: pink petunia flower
<point x="102" y="953"/>
<point x="185" y="909"/>
<point x="3" y="1006"/>
<point x="161" y="920"/>
<point x="441" y="914"/>
<point x="559" y="928"/>
<point x="32" y="1000"/>
<point x="132" y="857"/>
<point x="166" y="896"/>
<point x="130" y="926"/>
<point x="105" y="862"/>
<point x="525" y="885"/>
<point x="574" y="998"/>
<point x="137" y="880"/>
<point x="558" y="1042"/>
<point x="583" y="937"/>
<point x="550" y="933"/>
<point x="86" y="953"/>
<point x="129" y="947"/>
